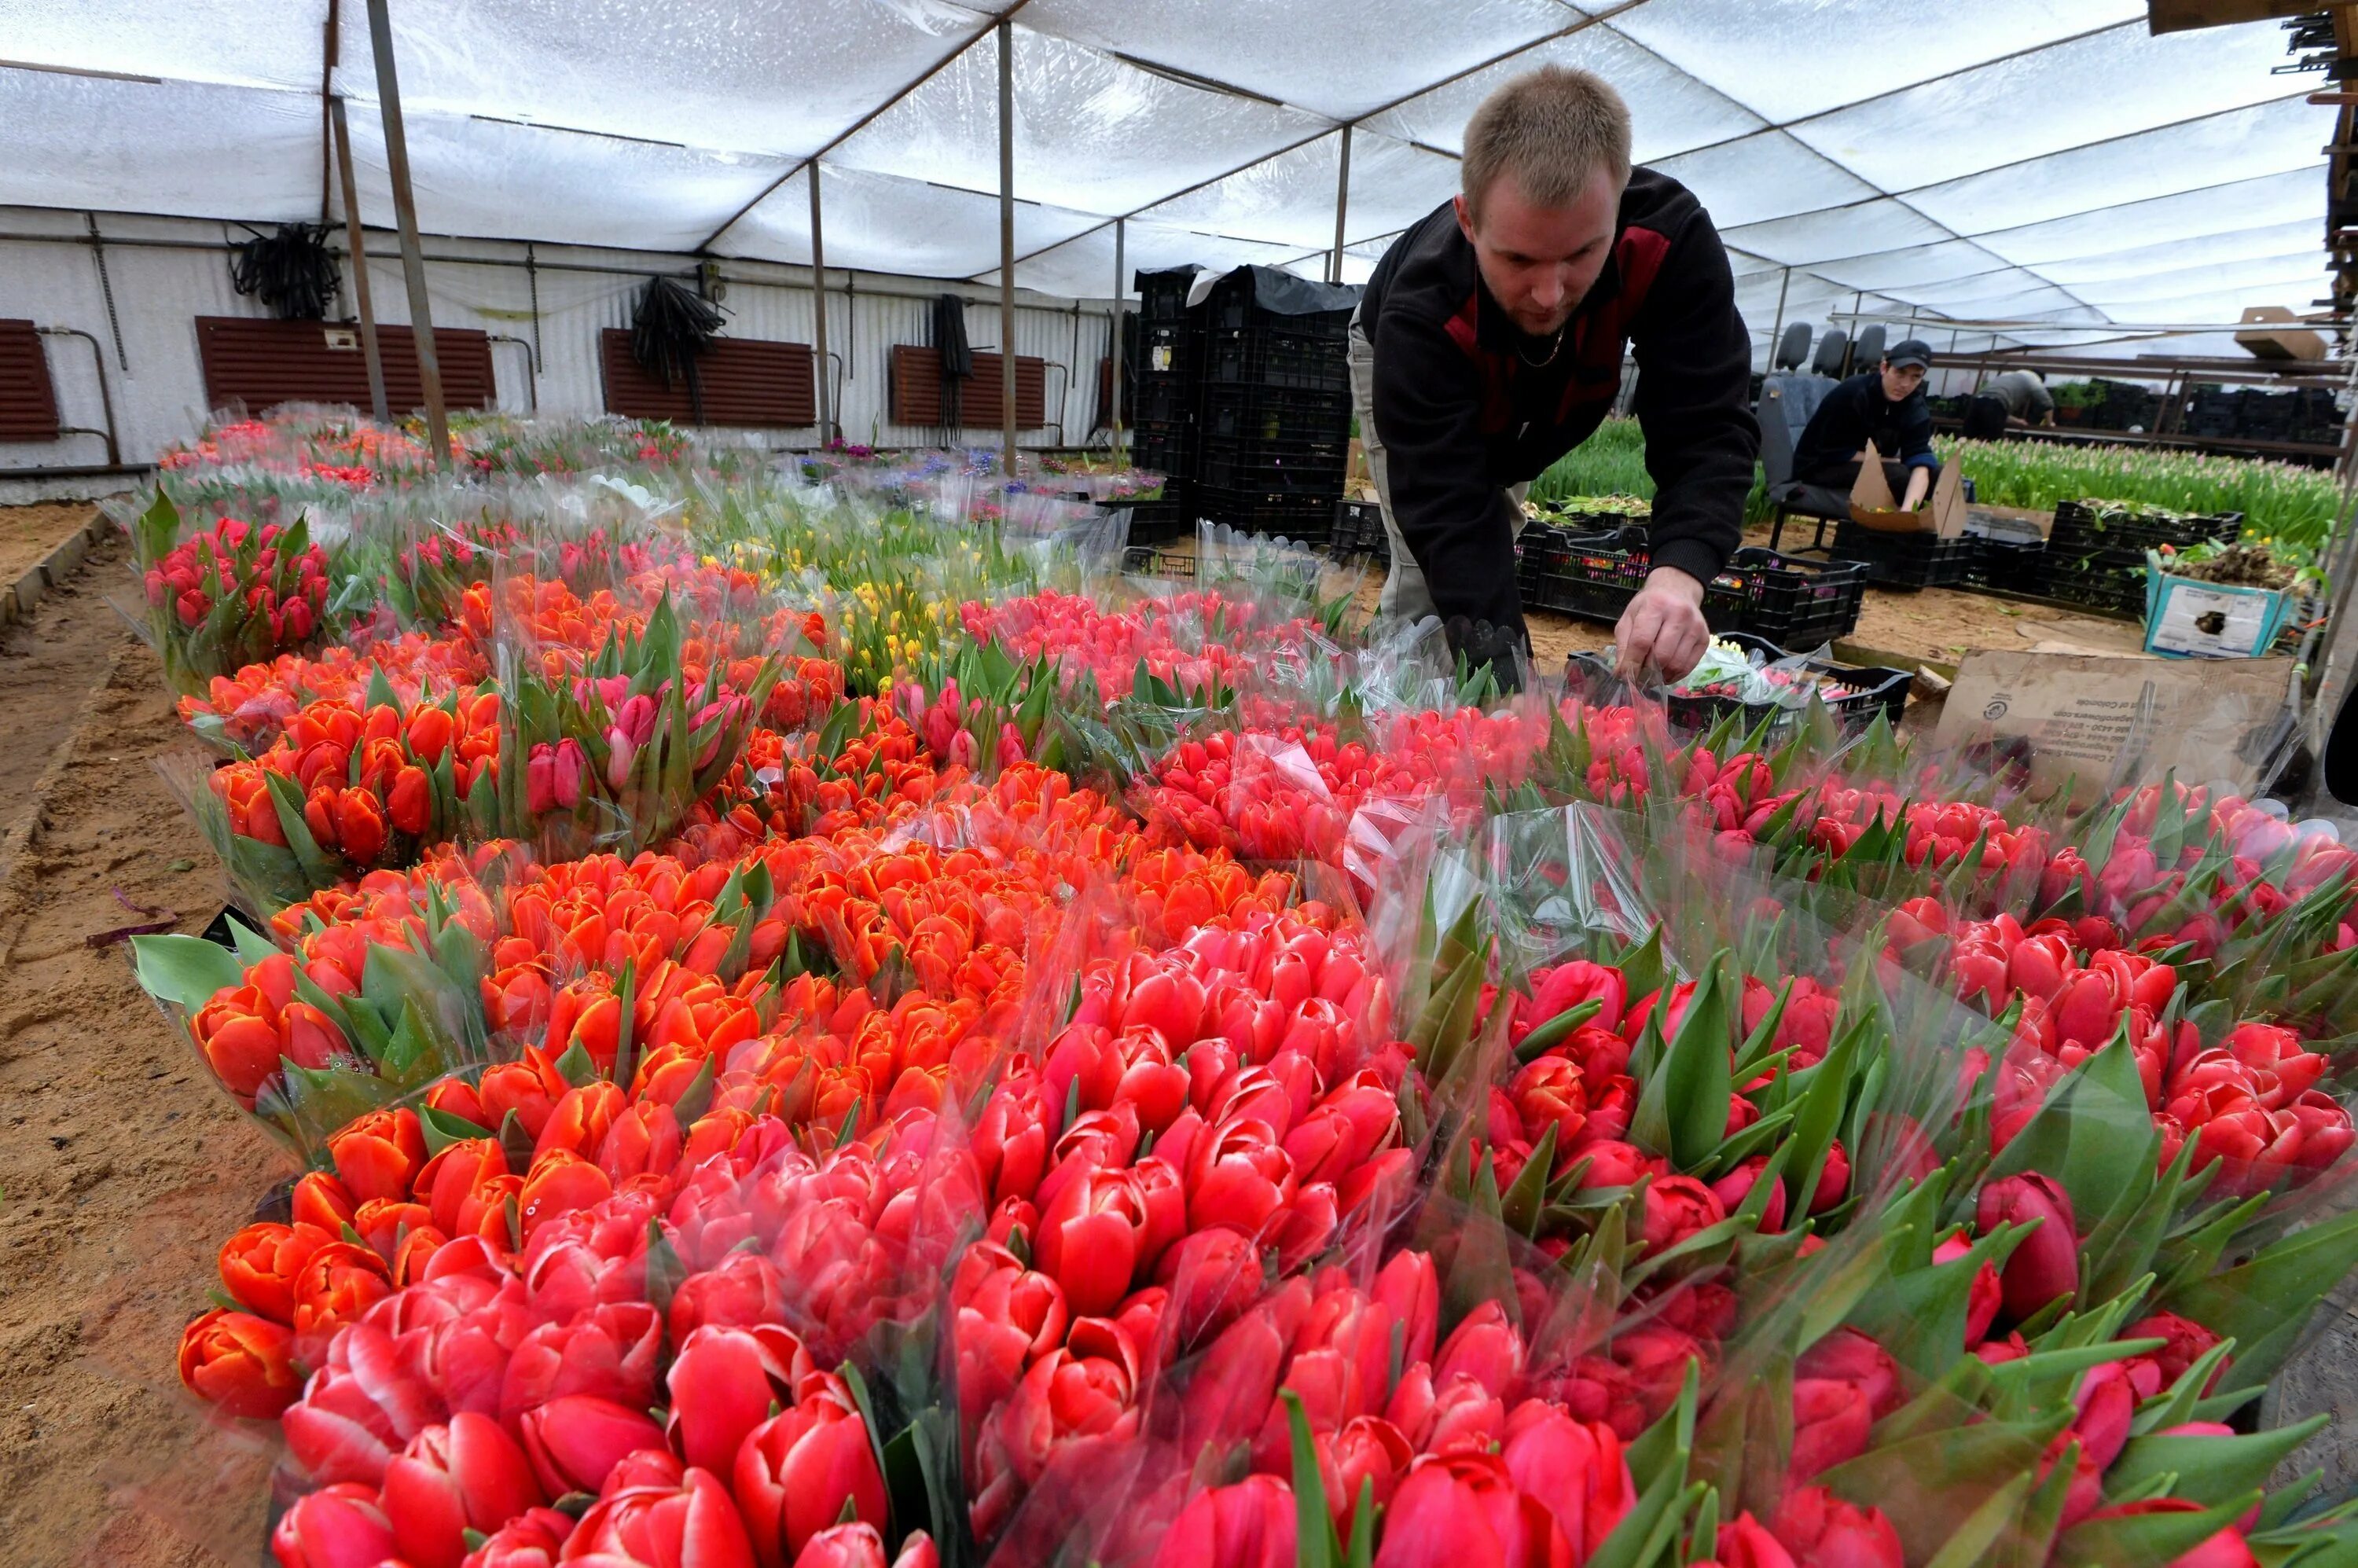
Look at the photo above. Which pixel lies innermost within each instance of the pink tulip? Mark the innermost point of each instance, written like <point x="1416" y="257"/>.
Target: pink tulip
<point x="342" y="1526"/>
<point x="467" y="1476"/>
<point x="1248" y="1525"/>
<point x="575" y="1442"/>
<point x="692" y="1526"/>
<point x="794" y="1472"/>
<point x="723" y="1385"/>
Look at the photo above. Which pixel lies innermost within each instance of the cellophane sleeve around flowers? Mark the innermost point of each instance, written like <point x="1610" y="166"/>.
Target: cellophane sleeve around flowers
<point x="629" y="685"/>
<point x="217" y="592"/>
<point x="358" y="1001"/>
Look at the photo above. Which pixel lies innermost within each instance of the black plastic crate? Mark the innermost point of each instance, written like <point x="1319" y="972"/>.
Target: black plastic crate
<point x="1167" y="348"/>
<point x="1163" y="398"/>
<point x="1273" y="412"/>
<point x="1167" y="517"/>
<point x="1145" y="560"/>
<point x="1164" y="446"/>
<point x="1304" y="518"/>
<point x="1234" y="301"/>
<point x="1920" y="559"/>
<point x="1276" y="357"/>
<point x="2081" y="525"/>
<point x="1163" y="294"/>
<point x="1794" y="603"/>
<point x="1293" y="467"/>
<point x="1359" y="532"/>
<point x="2013" y="565"/>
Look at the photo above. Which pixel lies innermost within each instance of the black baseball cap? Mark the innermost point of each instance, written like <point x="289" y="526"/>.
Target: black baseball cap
<point x="1910" y="352"/>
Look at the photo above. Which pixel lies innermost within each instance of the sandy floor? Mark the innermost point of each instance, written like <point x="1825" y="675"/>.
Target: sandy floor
<point x="27" y="533"/>
<point x="121" y="1168"/>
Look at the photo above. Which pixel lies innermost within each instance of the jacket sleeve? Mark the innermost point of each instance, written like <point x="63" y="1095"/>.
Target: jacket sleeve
<point x="1834" y="433"/>
<point x="1694" y="403"/>
<point x="1916" y="434"/>
<point x="1428" y="401"/>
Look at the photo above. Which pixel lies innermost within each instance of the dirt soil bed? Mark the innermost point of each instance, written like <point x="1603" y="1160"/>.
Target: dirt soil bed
<point x="27" y="533"/>
<point x="122" y="1169"/>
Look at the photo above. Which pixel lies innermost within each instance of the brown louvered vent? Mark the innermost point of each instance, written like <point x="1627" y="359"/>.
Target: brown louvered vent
<point x="748" y="382"/>
<point x="917" y="389"/>
<point x="263" y="364"/>
<point x="29" y="400"/>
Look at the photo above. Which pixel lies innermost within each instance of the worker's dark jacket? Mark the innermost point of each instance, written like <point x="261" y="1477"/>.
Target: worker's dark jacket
<point x="1857" y="412"/>
<point x="1466" y="405"/>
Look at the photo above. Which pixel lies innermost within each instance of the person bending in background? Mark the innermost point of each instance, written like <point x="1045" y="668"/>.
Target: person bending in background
<point x="1489" y="343"/>
<point x="2025" y="394"/>
<point x="1886" y="405"/>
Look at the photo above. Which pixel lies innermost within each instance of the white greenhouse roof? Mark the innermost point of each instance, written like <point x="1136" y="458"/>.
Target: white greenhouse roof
<point x="2039" y="162"/>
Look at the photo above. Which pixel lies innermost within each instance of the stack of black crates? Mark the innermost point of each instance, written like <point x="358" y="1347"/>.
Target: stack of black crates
<point x="1244" y="398"/>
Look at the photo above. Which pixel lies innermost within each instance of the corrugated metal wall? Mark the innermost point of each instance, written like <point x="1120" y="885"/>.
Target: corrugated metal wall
<point x="166" y="272"/>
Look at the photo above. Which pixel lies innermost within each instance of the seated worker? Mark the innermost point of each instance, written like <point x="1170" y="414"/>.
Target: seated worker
<point x="2025" y="394"/>
<point x="1884" y="405"/>
<point x="1489" y="343"/>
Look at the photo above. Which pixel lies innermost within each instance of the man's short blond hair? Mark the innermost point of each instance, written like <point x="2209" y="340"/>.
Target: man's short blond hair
<point x="1553" y="131"/>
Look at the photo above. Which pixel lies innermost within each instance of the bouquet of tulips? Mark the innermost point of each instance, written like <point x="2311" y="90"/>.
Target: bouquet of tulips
<point x="227" y="595"/>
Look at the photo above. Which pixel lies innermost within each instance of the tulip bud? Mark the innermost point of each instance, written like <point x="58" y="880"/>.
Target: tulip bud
<point x="2047" y="1263"/>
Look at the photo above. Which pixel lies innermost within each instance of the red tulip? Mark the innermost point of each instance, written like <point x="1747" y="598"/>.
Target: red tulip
<point x="692" y="1526"/>
<point x="242" y="1363"/>
<point x="359" y="1409"/>
<point x="724" y="1383"/>
<point x="2047" y="1262"/>
<point x="1463" y="1508"/>
<point x="467" y="1476"/>
<point x="1238" y="1176"/>
<point x="853" y="1545"/>
<point x="341" y="1526"/>
<point x="1823" y="1531"/>
<point x="1676" y="1207"/>
<point x="575" y="1442"/>
<point x="1745" y="1542"/>
<point x="746" y="1289"/>
<point x="1087" y="1389"/>
<point x="534" y="1539"/>
<point x="2189" y="1342"/>
<point x="1248" y="1525"/>
<point x="1575" y="1468"/>
<point x="609" y="1351"/>
<point x="1090" y="1238"/>
<point x="794" y="1473"/>
<point x="1983" y="1297"/>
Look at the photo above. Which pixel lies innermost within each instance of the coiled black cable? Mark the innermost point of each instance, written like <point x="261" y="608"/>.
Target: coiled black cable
<point x="292" y="272"/>
<point x="670" y="330"/>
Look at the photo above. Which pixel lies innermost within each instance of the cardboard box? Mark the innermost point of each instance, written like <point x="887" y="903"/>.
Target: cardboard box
<point x="2284" y="343"/>
<point x="2187" y="619"/>
<point x="1872" y="504"/>
<point x="2097" y="719"/>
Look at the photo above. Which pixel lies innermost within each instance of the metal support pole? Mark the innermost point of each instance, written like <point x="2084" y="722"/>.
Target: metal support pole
<point x="1342" y="208"/>
<point x="1006" y="243"/>
<point x="1121" y="309"/>
<point x="818" y="308"/>
<point x="413" y="255"/>
<point x="1777" y="332"/>
<point x="344" y="139"/>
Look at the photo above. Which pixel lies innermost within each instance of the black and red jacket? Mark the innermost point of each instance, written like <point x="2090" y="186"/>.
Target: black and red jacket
<point x="1463" y="411"/>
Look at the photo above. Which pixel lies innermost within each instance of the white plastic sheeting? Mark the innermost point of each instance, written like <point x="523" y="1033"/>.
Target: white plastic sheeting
<point x="2023" y="159"/>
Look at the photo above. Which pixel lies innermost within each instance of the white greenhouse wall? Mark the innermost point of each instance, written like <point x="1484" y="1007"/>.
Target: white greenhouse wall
<point x="166" y="272"/>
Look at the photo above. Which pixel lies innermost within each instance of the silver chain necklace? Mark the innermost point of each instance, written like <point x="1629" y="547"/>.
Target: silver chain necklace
<point x="1554" y="348"/>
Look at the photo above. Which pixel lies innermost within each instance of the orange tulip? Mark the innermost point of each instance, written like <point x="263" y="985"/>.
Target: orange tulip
<point x="242" y="1363"/>
<point x="377" y="1156"/>
<point x="259" y="1266"/>
<point x="338" y="1282"/>
<point x="321" y="1200"/>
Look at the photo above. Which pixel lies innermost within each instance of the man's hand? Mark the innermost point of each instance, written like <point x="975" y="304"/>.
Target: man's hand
<point x="1663" y="631"/>
<point x="1920" y="484"/>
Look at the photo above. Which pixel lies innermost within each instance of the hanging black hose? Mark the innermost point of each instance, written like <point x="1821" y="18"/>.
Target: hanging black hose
<point x="956" y="360"/>
<point x="292" y="271"/>
<point x="670" y="330"/>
